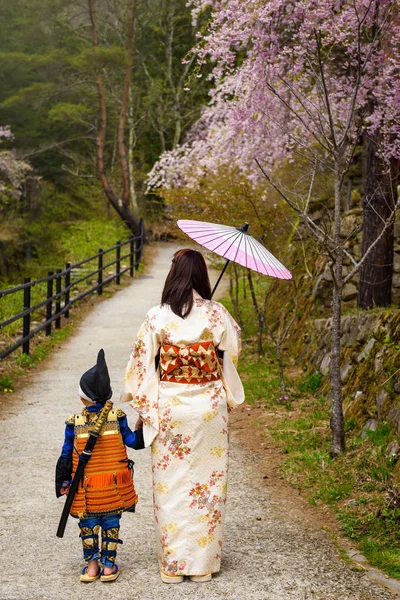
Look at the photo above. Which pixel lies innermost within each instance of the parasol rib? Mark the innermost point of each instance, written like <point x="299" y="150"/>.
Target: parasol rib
<point x="235" y="245"/>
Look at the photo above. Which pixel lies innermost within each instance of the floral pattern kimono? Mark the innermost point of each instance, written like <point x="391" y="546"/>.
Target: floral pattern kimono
<point x="183" y="403"/>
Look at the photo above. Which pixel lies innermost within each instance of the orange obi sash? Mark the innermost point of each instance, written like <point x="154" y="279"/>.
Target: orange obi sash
<point x="197" y="363"/>
<point x="107" y="485"/>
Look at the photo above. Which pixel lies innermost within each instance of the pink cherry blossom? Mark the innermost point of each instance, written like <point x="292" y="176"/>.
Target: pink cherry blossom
<point x="5" y="132"/>
<point x="290" y="77"/>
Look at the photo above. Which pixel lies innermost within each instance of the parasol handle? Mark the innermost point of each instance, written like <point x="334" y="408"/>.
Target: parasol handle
<point x="220" y="277"/>
<point x="243" y="229"/>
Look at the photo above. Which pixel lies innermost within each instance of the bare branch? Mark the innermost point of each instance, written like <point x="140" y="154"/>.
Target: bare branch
<point x="56" y="145"/>
<point x="297" y="115"/>
<point x="310" y="188"/>
<point x="320" y="235"/>
<point x="316" y="122"/>
<point x="389" y="223"/>
<point x="325" y="90"/>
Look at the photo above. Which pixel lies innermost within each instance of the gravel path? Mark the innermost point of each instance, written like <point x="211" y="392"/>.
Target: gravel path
<point x="268" y="555"/>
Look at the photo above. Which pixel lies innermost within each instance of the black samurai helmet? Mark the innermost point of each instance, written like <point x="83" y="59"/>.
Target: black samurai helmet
<point x="95" y="383"/>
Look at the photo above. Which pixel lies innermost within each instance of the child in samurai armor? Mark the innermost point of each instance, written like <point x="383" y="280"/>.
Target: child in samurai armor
<point x="107" y="487"/>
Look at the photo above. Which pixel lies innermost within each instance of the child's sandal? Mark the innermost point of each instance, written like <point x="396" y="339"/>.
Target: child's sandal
<point x="85" y="578"/>
<point x="112" y="577"/>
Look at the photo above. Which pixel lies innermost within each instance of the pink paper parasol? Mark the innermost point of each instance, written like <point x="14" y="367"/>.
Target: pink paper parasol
<point x="235" y="245"/>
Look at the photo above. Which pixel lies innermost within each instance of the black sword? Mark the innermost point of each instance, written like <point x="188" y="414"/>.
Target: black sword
<point x="83" y="459"/>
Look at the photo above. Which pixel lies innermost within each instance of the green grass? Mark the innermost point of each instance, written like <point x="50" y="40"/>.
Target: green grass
<point x="19" y="363"/>
<point x="260" y="382"/>
<point x="6" y="384"/>
<point x="355" y="485"/>
<point x="387" y="559"/>
<point x="14" y="303"/>
<point x="311" y="383"/>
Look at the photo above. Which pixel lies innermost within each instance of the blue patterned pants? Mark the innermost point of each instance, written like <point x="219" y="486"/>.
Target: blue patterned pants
<point x="90" y="528"/>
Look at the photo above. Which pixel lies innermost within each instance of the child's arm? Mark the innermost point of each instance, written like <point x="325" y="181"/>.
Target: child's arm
<point x="133" y="439"/>
<point x="64" y="463"/>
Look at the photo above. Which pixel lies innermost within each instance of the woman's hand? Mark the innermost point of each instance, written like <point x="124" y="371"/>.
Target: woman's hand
<point x="139" y="423"/>
<point x="64" y="491"/>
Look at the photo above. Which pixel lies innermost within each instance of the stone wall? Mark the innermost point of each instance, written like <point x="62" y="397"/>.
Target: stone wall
<point x="370" y="360"/>
<point x="351" y="230"/>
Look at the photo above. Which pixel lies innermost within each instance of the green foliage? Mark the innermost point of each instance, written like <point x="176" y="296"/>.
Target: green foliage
<point x="24" y="360"/>
<point x="311" y="383"/>
<point x="48" y="69"/>
<point x="380" y="437"/>
<point x="94" y="59"/>
<point x="354" y="484"/>
<point x="350" y="424"/>
<point x="387" y="559"/>
<point x="6" y="384"/>
<point x="84" y="239"/>
<point x="260" y="381"/>
<point x="58" y="244"/>
<point x="49" y="65"/>
<point x="66" y="111"/>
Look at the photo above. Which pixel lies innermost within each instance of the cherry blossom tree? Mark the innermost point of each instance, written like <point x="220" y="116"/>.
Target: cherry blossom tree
<point x="13" y="171"/>
<point x="5" y="133"/>
<point x="298" y="81"/>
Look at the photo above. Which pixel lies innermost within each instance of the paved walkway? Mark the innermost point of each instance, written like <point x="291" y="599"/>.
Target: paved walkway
<point x="268" y="555"/>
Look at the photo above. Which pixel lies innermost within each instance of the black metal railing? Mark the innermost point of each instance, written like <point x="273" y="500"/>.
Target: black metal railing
<point x="64" y="288"/>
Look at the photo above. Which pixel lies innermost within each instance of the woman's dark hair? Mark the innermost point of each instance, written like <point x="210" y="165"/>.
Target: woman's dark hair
<point x="188" y="272"/>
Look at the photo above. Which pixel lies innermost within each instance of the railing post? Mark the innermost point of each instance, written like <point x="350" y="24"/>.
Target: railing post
<point x="118" y="263"/>
<point x="141" y="239"/>
<point x="131" y="256"/>
<point x="67" y="283"/>
<point x="58" y="299"/>
<point x="27" y="318"/>
<point x="138" y="241"/>
<point x="100" y="272"/>
<point x="49" y="305"/>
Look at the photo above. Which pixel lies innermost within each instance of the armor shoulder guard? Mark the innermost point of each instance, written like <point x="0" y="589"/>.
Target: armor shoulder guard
<point x="70" y="420"/>
<point x="112" y="415"/>
<point x="120" y="413"/>
<point x="80" y="419"/>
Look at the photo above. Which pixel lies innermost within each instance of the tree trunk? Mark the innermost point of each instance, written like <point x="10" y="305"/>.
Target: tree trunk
<point x="337" y="420"/>
<point x="259" y="314"/>
<point x="178" y="126"/>
<point x="131" y="146"/>
<point x="375" y="288"/>
<point x="124" y="108"/>
<point x="121" y="207"/>
<point x="280" y="364"/>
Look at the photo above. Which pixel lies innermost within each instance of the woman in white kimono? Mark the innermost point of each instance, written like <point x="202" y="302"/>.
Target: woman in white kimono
<point x="182" y="391"/>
